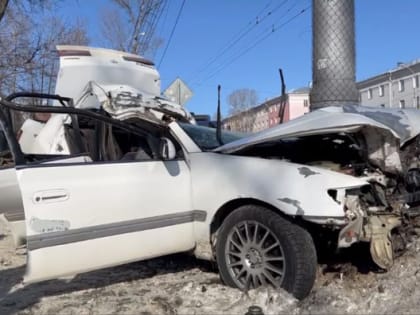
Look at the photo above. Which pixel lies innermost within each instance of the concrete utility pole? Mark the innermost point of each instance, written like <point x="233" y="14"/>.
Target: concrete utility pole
<point x="333" y="54"/>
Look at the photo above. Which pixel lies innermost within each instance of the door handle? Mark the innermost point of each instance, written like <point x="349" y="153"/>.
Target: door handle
<point x="50" y="196"/>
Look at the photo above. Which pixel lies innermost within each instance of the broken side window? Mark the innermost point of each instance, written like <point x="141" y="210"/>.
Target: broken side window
<point x="40" y="134"/>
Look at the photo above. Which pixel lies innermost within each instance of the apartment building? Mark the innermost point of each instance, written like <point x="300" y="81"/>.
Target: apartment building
<point x="267" y="114"/>
<point x="398" y="87"/>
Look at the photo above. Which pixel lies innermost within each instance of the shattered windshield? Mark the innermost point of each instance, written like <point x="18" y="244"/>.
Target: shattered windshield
<point x="205" y="137"/>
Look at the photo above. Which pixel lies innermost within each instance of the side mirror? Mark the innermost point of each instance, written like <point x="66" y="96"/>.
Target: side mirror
<point x="167" y="149"/>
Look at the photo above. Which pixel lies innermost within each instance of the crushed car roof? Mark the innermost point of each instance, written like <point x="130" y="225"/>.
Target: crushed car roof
<point x="404" y="124"/>
<point x="118" y="82"/>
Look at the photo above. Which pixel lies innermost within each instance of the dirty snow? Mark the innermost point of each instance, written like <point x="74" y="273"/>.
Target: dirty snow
<point x="180" y="284"/>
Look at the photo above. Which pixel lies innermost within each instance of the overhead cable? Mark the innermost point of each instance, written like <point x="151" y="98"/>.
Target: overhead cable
<point x="241" y="34"/>
<point x="256" y="43"/>
<point x="172" y="33"/>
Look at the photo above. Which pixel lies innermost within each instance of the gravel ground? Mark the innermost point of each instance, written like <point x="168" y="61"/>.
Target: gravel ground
<point x="180" y="284"/>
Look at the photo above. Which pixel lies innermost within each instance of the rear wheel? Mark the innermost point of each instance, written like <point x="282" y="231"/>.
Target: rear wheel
<point x="255" y="246"/>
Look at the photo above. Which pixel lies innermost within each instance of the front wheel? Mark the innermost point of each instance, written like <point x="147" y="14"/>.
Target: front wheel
<point x="255" y="246"/>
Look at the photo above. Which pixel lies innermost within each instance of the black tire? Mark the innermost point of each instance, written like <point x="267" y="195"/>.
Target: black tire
<point x="293" y="252"/>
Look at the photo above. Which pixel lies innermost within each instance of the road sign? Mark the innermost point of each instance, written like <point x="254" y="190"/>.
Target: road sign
<point x="178" y="92"/>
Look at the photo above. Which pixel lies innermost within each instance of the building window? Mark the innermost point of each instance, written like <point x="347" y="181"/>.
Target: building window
<point x="305" y="103"/>
<point x="381" y="90"/>
<point x="382" y="105"/>
<point x="402" y="103"/>
<point x="401" y="85"/>
<point x="418" y="102"/>
<point x="369" y="94"/>
<point x="415" y="82"/>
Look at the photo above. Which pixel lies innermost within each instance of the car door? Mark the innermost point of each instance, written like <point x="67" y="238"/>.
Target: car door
<point x="86" y="216"/>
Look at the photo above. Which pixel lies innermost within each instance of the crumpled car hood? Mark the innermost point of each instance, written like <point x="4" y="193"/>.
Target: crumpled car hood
<point x="404" y="124"/>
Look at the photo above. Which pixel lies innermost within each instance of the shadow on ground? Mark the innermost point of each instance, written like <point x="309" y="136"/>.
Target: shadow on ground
<point x="30" y="294"/>
<point x="353" y="264"/>
<point x="357" y="258"/>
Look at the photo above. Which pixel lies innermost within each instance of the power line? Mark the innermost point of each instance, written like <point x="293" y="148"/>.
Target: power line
<point x="163" y="24"/>
<point x="241" y="34"/>
<point x="236" y="57"/>
<point x="260" y="37"/>
<point x="268" y="29"/>
<point x="235" y="38"/>
<point x="172" y="32"/>
<point x="156" y="9"/>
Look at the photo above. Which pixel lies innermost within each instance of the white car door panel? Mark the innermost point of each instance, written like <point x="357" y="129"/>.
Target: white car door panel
<point x="88" y="216"/>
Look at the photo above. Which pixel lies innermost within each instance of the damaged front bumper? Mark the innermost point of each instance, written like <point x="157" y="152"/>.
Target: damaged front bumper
<point x="371" y="225"/>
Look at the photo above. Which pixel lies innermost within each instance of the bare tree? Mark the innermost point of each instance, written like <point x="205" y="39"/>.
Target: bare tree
<point x="25" y="5"/>
<point x="242" y="100"/>
<point x="28" y="60"/>
<point x="131" y="25"/>
<point x="241" y="103"/>
<point x="27" y="49"/>
<point x="3" y="7"/>
<point x="45" y="63"/>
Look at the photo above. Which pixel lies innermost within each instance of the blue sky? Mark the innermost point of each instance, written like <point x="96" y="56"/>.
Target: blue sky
<point x="387" y="32"/>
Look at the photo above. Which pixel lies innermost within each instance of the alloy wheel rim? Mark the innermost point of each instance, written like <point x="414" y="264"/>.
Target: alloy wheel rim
<point x="254" y="256"/>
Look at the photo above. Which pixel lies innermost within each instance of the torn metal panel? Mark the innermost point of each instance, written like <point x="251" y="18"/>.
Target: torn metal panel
<point x="122" y="100"/>
<point x="353" y="231"/>
<point x="402" y="121"/>
<point x="383" y="150"/>
<point x="378" y="231"/>
<point x="364" y="225"/>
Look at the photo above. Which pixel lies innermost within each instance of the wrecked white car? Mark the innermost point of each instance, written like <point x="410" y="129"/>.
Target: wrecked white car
<point x="120" y="175"/>
<point x="138" y="187"/>
<point x="98" y="79"/>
